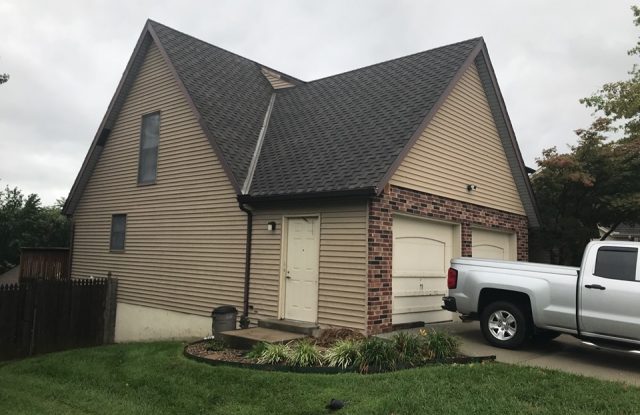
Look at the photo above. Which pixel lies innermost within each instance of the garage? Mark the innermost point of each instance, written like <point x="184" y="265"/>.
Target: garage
<point x="422" y="250"/>
<point x="493" y="244"/>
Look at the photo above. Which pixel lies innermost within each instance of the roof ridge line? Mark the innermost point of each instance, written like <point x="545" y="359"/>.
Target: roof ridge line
<point x="256" y="153"/>
<point x="479" y="39"/>
<point x="226" y="50"/>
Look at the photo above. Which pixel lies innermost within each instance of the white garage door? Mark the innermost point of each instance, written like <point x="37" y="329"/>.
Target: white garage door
<point x="421" y="254"/>
<point x="493" y="244"/>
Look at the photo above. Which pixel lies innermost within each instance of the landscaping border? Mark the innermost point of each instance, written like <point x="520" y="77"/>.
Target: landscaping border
<point x="326" y="370"/>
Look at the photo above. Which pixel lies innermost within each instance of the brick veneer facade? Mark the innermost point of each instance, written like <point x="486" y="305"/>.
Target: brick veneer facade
<point x="400" y="200"/>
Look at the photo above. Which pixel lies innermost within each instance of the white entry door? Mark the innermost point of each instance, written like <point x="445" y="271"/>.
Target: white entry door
<point x="493" y="245"/>
<point x="301" y="271"/>
<point x="422" y="251"/>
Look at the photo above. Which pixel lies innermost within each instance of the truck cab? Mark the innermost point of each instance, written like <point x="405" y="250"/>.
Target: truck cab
<point x="609" y="292"/>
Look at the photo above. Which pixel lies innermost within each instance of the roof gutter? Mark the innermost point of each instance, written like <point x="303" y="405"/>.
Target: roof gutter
<point x="256" y="153"/>
<point x="362" y="192"/>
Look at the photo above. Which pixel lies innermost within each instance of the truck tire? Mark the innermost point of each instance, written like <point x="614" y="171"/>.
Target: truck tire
<point x="505" y="324"/>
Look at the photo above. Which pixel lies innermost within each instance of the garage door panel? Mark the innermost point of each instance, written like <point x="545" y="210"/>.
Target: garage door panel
<point x="489" y="251"/>
<point x="421" y="253"/>
<point x="413" y="256"/>
<point x="405" y="284"/>
<point x="434" y="314"/>
<point x="493" y="245"/>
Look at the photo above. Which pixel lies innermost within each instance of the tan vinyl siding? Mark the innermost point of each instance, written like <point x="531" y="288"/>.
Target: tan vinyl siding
<point x="343" y="262"/>
<point x="276" y="80"/>
<point x="461" y="146"/>
<point x="185" y="236"/>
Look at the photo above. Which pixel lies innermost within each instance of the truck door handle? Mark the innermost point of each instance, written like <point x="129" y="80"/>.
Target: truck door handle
<point x="595" y="286"/>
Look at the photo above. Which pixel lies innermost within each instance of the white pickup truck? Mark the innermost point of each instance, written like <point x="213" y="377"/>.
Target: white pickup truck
<point x="516" y="301"/>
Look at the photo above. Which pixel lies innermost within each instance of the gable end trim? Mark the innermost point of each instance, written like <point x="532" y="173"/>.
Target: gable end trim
<point x="196" y="112"/>
<point x="427" y="119"/>
<point x="100" y="138"/>
<point x="507" y="137"/>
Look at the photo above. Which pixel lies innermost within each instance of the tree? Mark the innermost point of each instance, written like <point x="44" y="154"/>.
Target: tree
<point x="4" y="77"/>
<point x="25" y="222"/>
<point x="597" y="181"/>
<point x="620" y="101"/>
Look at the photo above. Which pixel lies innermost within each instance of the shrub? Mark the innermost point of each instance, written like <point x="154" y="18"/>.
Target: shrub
<point x="256" y="351"/>
<point x="376" y="355"/>
<point x="343" y="353"/>
<point x="303" y="353"/>
<point x="214" y="345"/>
<point x="328" y="337"/>
<point x="410" y="348"/>
<point x="439" y="344"/>
<point x="274" y="353"/>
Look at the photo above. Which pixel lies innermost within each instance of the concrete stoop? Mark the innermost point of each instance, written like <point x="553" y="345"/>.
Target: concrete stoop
<point x="291" y="326"/>
<point x="246" y="338"/>
<point x="268" y="331"/>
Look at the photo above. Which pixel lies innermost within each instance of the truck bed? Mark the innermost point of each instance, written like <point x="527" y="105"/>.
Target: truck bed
<point x="550" y="288"/>
<point x="516" y="266"/>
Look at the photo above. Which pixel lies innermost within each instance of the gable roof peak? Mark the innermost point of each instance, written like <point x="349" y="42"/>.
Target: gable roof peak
<point x="474" y="40"/>
<point x="154" y="24"/>
<point x="346" y="131"/>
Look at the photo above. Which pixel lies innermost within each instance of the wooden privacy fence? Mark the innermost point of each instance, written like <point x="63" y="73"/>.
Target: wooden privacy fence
<point x="47" y="263"/>
<point x="40" y="316"/>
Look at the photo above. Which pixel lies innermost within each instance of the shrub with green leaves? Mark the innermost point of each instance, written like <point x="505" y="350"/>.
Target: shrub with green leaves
<point x="410" y="348"/>
<point x="376" y="355"/>
<point x="214" y="345"/>
<point x="274" y="353"/>
<point x="440" y="345"/>
<point x="303" y="353"/>
<point x="343" y="353"/>
<point x="256" y="351"/>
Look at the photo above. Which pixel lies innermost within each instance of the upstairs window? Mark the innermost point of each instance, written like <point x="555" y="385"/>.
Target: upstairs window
<point x="150" y="136"/>
<point x="118" y="230"/>
<point x="618" y="263"/>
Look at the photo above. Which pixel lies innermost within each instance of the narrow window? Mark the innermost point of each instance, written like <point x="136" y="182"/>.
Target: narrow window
<point x="118" y="229"/>
<point x="618" y="263"/>
<point x="150" y="136"/>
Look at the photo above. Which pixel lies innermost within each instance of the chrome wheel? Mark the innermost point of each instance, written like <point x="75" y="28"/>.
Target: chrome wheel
<point x="502" y="325"/>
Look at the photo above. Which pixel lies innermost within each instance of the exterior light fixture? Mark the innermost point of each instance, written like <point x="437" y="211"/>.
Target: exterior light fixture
<point x="271" y="226"/>
<point x="471" y="187"/>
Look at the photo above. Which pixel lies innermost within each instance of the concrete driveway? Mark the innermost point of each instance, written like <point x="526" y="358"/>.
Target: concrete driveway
<point x="564" y="353"/>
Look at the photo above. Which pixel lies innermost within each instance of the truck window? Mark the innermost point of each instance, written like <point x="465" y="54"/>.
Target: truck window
<point x="618" y="263"/>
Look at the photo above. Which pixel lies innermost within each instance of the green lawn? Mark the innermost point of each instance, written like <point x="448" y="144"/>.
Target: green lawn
<point x="156" y="379"/>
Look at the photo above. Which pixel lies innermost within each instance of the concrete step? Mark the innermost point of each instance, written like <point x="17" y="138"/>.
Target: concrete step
<point x="246" y="338"/>
<point x="291" y="326"/>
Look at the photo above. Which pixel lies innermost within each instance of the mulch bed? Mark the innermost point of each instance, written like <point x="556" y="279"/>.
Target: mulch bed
<point x="327" y="338"/>
<point x="234" y="357"/>
<point x="199" y="349"/>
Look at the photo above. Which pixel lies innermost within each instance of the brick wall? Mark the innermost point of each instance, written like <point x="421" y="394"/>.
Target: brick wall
<point x="400" y="200"/>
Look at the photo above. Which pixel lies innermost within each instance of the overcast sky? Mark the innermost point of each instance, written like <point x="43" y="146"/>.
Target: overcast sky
<point x="65" y="59"/>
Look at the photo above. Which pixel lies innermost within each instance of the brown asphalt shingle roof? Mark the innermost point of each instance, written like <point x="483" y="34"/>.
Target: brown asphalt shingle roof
<point x="337" y="135"/>
<point x="344" y="132"/>
<point x="229" y="91"/>
<point x="334" y="134"/>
